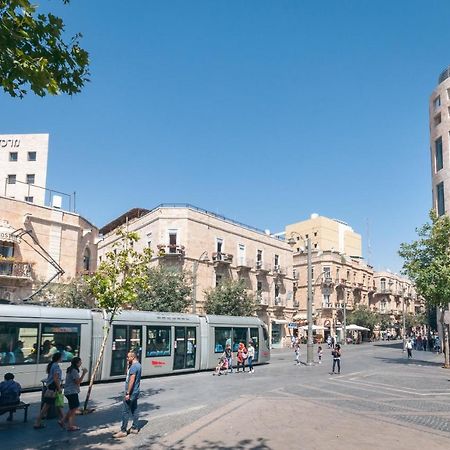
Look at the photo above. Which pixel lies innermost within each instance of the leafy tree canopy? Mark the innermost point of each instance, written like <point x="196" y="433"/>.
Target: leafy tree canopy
<point x="165" y="290"/>
<point x="230" y="298"/>
<point x="364" y="317"/>
<point x="34" y="54"/>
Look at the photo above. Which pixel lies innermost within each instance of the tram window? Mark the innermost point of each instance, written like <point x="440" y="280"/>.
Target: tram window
<point x="222" y="338"/>
<point x="18" y="343"/>
<point x="158" y="341"/>
<point x="64" y="338"/>
<point x="239" y="335"/>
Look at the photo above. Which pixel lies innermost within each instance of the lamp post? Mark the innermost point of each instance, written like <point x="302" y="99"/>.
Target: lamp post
<point x="404" y="319"/>
<point x="194" y="280"/>
<point x="310" y="343"/>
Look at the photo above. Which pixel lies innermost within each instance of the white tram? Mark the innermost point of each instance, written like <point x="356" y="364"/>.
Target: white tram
<point x="166" y="342"/>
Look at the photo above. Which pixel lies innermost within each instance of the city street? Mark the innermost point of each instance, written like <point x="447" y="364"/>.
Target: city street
<point x="379" y="401"/>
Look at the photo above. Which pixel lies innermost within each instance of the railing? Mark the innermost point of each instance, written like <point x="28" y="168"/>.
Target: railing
<point x="171" y="249"/>
<point x="15" y="269"/>
<point x="278" y="269"/>
<point x="222" y="257"/>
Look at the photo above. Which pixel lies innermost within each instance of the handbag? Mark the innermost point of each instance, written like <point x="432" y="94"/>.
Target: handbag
<point x="59" y="400"/>
<point x="49" y="393"/>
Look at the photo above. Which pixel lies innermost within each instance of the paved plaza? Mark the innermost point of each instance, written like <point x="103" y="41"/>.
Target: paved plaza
<point x="379" y="401"/>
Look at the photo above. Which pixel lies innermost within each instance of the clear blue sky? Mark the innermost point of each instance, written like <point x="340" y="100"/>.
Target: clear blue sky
<point x="264" y="111"/>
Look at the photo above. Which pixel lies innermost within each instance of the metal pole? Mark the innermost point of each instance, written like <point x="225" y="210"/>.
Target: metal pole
<point x="344" y="328"/>
<point x="404" y="323"/>
<point x="310" y="344"/>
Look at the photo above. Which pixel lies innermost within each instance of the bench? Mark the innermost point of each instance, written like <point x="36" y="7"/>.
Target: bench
<point x="12" y="408"/>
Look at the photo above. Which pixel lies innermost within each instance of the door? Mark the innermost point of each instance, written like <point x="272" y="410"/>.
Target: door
<point x="185" y="347"/>
<point x="125" y="338"/>
<point x="254" y="336"/>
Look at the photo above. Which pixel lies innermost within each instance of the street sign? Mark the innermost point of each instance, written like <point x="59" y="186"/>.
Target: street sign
<point x="293" y="326"/>
<point x="447" y="317"/>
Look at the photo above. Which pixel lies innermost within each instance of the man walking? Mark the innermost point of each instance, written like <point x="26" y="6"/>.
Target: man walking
<point x="132" y="385"/>
<point x="409" y="347"/>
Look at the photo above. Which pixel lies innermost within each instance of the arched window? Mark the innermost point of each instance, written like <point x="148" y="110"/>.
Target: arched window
<point x="383" y="284"/>
<point x="87" y="259"/>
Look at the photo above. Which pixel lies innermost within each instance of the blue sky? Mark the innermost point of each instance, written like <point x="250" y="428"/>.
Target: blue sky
<point x="264" y="111"/>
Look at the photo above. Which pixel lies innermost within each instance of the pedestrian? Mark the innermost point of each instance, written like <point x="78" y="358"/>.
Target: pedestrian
<point x="250" y="356"/>
<point x="329" y="341"/>
<point x="437" y="344"/>
<point x="336" y="358"/>
<point x="241" y="357"/>
<point x="297" y="352"/>
<point x="229" y="355"/>
<point x="424" y="342"/>
<point x="132" y="389"/>
<point x="54" y="387"/>
<point x="319" y="354"/>
<point x="10" y="391"/>
<point x="333" y="340"/>
<point x="71" y="391"/>
<point x="409" y="347"/>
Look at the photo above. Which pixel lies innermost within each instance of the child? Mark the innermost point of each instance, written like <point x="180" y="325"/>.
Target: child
<point x="319" y="354"/>
<point x="222" y="366"/>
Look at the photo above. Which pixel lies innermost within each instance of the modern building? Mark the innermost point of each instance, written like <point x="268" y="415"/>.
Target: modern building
<point x="23" y="166"/>
<point x="214" y="248"/>
<point x="35" y="240"/>
<point x="326" y="234"/>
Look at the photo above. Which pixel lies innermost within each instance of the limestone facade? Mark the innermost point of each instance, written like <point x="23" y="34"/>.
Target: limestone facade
<point x="214" y="248"/>
<point x="68" y="238"/>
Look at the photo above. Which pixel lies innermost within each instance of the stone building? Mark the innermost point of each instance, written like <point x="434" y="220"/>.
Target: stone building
<point x="60" y="236"/>
<point x="214" y="248"/>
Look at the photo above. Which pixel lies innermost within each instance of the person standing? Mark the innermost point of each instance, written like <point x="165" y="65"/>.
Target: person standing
<point x="250" y="356"/>
<point x="241" y="357"/>
<point x="409" y="347"/>
<point x="336" y="358"/>
<point x="297" y="352"/>
<point x="54" y="386"/>
<point x="71" y="392"/>
<point x="319" y="354"/>
<point x="132" y="389"/>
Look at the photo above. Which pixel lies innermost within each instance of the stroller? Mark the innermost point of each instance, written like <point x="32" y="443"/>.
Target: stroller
<point x="222" y="366"/>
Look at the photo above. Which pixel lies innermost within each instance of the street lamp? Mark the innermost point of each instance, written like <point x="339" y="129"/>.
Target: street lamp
<point x="310" y="344"/>
<point x="194" y="279"/>
<point x="404" y="319"/>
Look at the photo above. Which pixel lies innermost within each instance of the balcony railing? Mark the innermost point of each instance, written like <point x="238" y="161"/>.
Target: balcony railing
<point x="224" y="258"/>
<point x="278" y="270"/>
<point x="171" y="250"/>
<point x="261" y="266"/>
<point x="15" y="269"/>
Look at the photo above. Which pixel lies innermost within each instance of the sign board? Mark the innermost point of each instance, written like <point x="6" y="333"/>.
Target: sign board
<point x="447" y="317"/>
<point x="293" y="326"/>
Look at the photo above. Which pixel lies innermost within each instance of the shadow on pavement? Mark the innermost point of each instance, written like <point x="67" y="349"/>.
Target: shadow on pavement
<point x="143" y="394"/>
<point x="389" y="344"/>
<point x="413" y="361"/>
<point x="244" y="444"/>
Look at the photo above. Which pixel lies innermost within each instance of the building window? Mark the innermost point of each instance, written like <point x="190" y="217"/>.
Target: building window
<point x="13" y="156"/>
<point x="172" y="241"/>
<point x="11" y="179"/>
<point x="326" y="301"/>
<point x="31" y="156"/>
<point x="259" y="286"/>
<point x="30" y="178"/>
<point x="219" y="245"/>
<point x="337" y="273"/>
<point x="438" y="154"/>
<point x="437" y="102"/>
<point x="277" y="293"/>
<point x="259" y="255"/>
<point x="87" y="260"/>
<point x="149" y="240"/>
<point x="437" y="119"/>
<point x="327" y="273"/>
<point x="276" y="261"/>
<point x="29" y="199"/>
<point x="383" y="284"/>
<point x="440" y="199"/>
<point x="6" y="250"/>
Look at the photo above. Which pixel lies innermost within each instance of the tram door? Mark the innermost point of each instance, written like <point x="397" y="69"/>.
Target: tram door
<point x="124" y="339"/>
<point x="185" y="346"/>
<point x="254" y="336"/>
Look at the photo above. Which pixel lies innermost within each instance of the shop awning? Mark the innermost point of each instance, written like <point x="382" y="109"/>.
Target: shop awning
<point x="279" y="321"/>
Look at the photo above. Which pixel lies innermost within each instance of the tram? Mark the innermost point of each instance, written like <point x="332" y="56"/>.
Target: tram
<point x="166" y="343"/>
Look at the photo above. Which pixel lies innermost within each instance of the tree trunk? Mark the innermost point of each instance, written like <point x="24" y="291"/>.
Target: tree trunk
<point x="445" y="343"/>
<point x="97" y="365"/>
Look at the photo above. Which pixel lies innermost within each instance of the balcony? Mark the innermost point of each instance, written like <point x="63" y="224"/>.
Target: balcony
<point x="171" y="250"/>
<point x="243" y="264"/>
<point x="278" y="270"/>
<point x="222" y="259"/>
<point x="261" y="267"/>
<point x="12" y="270"/>
<point x="327" y="305"/>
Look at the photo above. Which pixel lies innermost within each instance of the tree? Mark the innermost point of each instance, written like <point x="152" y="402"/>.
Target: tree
<point x="166" y="290"/>
<point x="364" y="317"/>
<point x="34" y="55"/>
<point x="230" y="298"/>
<point x="117" y="283"/>
<point x="414" y="320"/>
<point x="427" y="264"/>
<point x="76" y="293"/>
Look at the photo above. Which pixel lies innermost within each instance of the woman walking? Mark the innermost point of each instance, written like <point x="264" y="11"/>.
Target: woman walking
<point x="54" y="386"/>
<point x="71" y="390"/>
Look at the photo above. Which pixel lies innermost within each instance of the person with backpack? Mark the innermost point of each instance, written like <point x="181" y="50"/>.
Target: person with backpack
<point x="336" y="353"/>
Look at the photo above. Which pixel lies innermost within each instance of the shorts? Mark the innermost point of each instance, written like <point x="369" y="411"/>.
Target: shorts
<point x="74" y="401"/>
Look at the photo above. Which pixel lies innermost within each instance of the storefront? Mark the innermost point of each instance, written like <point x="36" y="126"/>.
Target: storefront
<point x="278" y="332"/>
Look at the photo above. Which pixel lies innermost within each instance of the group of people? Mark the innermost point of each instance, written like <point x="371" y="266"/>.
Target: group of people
<point x="335" y="353"/>
<point x="244" y="355"/>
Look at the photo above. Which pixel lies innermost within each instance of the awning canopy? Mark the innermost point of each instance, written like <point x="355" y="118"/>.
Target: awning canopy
<point x="279" y="321"/>
<point x="314" y="327"/>
<point x="300" y="316"/>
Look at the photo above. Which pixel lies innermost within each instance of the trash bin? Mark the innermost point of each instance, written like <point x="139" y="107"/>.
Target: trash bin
<point x="51" y="413"/>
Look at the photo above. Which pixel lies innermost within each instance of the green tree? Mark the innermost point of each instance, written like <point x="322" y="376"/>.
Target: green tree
<point x="116" y="284"/>
<point x="414" y="320"/>
<point x="76" y="293"/>
<point x="427" y="263"/>
<point x="230" y="298"/>
<point x="364" y="317"/>
<point x="34" y="54"/>
<point x="166" y="290"/>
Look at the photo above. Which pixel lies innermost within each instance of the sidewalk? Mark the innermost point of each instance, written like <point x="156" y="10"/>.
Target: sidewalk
<point x="263" y="423"/>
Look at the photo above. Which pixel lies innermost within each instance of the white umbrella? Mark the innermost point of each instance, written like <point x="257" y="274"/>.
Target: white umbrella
<point x="314" y="327"/>
<point x="354" y="327"/>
